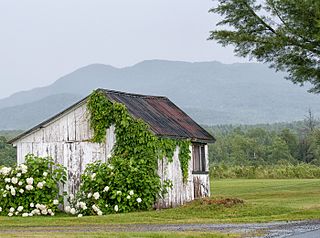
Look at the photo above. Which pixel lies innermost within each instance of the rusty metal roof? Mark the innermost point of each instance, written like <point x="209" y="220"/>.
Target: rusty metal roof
<point x="163" y="116"/>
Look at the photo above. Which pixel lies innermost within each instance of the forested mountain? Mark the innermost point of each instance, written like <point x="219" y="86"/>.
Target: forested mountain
<point x="211" y="92"/>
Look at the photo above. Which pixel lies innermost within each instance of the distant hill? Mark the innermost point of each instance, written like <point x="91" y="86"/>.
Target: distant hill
<point x="27" y="115"/>
<point x="211" y="92"/>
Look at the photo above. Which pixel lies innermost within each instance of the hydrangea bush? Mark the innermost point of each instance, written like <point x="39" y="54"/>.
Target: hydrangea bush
<point x="31" y="188"/>
<point x="118" y="186"/>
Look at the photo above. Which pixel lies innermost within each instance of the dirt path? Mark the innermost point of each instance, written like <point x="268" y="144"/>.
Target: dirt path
<point x="267" y="230"/>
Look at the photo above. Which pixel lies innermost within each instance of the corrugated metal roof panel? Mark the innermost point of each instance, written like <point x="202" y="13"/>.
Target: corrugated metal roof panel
<point x="163" y="116"/>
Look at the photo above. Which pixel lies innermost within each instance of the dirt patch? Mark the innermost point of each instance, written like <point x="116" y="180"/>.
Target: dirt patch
<point x="226" y="202"/>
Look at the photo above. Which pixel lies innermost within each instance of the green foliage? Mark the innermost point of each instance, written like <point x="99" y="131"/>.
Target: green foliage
<point x="8" y="153"/>
<point x="295" y="142"/>
<point x="101" y="115"/>
<point x="292" y="141"/>
<point x="134" y="137"/>
<point x="266" y="144"/>
<point x="184" y="157"/>
<point x="314" y="147"/>
<point x="280" y="171"/>
<point x="124" y="186"/>
<point x="254" y="146"/>
<point x="284" y="33"/>
<point x="129" y="181"/>
<point x="279" y="151"/>
<point x="31" y="188"/>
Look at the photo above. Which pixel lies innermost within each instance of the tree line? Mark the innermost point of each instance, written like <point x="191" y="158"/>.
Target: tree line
<point x="241" y="145"/>
<point x="280" y="143"/>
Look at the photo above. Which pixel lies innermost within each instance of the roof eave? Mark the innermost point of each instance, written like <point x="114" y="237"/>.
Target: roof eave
<point x="193" y="140"/>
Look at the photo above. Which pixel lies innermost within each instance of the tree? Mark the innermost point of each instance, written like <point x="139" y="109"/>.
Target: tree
<point x="291" y="140"/>
<point x="310" y="122"/>
<point x="7" y="153"/>
<point x="314" y="148"/>
<point x="279" y="151"/>
<point x="283" y="33"/>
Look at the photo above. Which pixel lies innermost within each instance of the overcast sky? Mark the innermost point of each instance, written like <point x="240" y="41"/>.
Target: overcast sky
<point x="42" y="40"/>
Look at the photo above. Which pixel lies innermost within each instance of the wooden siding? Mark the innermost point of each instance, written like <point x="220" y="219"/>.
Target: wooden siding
<point x="67" y="140"/>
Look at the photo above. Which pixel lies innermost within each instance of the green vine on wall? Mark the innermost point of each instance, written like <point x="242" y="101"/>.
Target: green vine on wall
<point x="134" y="140"/>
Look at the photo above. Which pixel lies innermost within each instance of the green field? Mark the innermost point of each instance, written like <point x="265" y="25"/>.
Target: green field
<point x="264" y="200"/>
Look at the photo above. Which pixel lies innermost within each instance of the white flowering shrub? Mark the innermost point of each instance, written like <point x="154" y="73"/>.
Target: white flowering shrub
<point x="31" y="188"/>
<point x="119" y="186"/>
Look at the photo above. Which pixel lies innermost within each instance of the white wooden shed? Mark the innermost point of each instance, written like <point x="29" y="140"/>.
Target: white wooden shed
<point x="66" y="138"/>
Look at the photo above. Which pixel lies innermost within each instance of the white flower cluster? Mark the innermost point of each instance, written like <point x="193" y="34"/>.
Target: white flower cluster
<point x="97" y="210"/>
<point x="15" y="182"/>
<point x="5" y="171"/>
<point x="40" y="209"/>
<point x="80" y="207"/>
<point x="14" y="185"/>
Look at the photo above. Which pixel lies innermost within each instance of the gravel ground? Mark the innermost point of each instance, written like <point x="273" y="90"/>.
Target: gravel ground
<point x="303" y="229"/>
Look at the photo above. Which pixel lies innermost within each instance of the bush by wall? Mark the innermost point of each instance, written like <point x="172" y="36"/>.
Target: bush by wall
<point x="122" y="186"/>
<point x="31" y="188"/>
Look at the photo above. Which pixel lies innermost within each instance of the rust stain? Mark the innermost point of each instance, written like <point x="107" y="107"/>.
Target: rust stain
<point x="163" y="116"/>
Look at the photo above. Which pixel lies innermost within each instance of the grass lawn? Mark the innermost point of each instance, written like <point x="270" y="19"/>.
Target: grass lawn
<point x="264" y="200"/>
<point x="122" y="235"/>
<point x="270" y="199"/>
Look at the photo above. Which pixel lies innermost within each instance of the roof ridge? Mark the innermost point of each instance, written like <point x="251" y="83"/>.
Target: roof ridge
<point x="131" y="94"/>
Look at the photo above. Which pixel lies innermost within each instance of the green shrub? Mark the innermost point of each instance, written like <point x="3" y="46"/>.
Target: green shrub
<point x="31" y="188"/>
<point x="119" y="186"/>
<point x="282" y="171"/>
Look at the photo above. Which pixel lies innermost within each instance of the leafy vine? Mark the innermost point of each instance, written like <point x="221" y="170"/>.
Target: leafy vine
<point x="134" y="140"/>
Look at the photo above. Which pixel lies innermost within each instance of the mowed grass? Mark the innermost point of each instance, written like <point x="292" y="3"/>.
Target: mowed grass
<point x="122" y="235"/>
<point x="271" y="199"/>
<point x="264" y="200"/>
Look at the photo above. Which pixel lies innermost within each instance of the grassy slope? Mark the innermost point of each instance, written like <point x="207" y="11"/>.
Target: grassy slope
<point x="265" y="200"/>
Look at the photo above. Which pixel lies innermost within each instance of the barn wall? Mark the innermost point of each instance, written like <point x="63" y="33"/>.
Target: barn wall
<point x="67" y="141"/>
<point x="182" y="192"/>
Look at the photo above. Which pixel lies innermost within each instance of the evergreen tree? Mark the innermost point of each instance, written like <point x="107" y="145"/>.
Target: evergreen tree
<point x="284" y="33"/>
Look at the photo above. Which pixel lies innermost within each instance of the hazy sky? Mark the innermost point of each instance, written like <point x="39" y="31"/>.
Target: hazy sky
<point x="42" y="40"/>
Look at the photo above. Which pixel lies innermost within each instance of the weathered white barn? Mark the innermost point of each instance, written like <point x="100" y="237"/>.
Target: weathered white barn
<point x="66" y="138"/>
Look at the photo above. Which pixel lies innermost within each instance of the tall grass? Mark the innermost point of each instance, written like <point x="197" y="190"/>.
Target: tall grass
<point x="300" y="171"/>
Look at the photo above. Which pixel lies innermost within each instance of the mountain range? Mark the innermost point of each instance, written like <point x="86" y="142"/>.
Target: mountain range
<point x="210" y="92"/>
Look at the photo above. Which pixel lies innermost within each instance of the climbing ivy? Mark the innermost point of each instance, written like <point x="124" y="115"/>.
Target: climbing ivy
<point x="184" y="157"/>
<point x="134" y="141"/>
